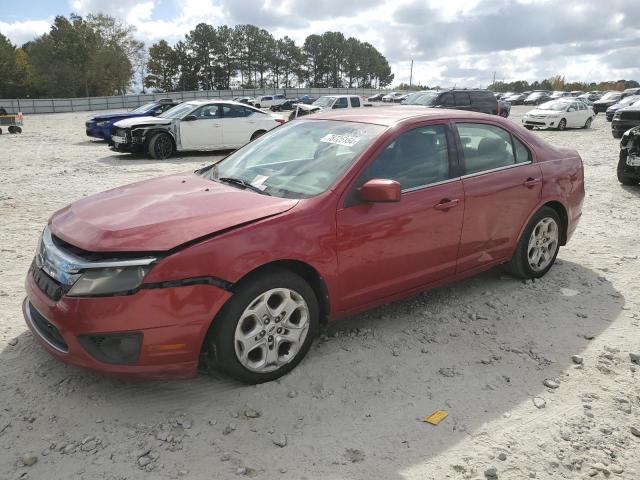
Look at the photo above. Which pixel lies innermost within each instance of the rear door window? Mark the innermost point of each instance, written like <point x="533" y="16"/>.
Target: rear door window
<point x="355" y="102"/>
<point x="487" y="147"/>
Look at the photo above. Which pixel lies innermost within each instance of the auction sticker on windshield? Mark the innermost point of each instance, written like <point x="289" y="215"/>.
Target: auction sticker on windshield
<point x="346" y="140"/>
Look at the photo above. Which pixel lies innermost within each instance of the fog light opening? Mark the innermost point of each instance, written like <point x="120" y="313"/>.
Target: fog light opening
<point x="116" y="349"/>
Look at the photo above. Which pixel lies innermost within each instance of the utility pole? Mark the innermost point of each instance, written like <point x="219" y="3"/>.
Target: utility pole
<point x="494" y="80"/>
<point x="411" y="74"/>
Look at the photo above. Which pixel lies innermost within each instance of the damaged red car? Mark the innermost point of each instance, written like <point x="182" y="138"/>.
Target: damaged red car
<point x="244" y="261"/>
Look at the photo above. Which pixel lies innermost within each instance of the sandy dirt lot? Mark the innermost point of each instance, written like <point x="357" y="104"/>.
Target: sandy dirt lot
<point x="494" y="352"/>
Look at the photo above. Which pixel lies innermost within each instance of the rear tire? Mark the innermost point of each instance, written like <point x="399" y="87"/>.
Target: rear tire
<point x="562" y="125"/>
<point x="266" y="356"/>
<point x="529" y="127"/>
<point x="161" y="146"/>
<point x="538" y="247"/>
<point x="12" y="129"/>
<point x="257" y="105"/>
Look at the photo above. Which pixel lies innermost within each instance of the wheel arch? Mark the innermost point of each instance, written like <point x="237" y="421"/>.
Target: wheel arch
<point x="559" y="208"/>
<point x="308" y="273"/>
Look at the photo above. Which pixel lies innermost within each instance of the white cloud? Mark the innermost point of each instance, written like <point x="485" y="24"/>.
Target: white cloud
<point x="451" y="41"/>
<point x="21" y="32"/>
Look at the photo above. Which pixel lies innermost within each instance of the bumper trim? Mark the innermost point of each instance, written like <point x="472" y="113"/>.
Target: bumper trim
<point x="26" y="311"/>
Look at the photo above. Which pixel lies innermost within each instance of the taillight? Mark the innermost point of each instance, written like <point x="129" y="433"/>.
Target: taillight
<point x="279" y="120"/>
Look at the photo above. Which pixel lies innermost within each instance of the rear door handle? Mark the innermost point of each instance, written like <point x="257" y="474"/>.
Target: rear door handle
<point x="445" y="204"/>
<point x="531" y="182"/>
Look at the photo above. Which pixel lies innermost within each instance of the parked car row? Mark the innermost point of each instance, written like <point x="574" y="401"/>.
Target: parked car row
<point x="162" y="128"/>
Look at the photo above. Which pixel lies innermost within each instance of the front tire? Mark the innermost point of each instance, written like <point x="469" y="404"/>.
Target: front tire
<point x="538" y="247"/>
<point x="588" y="123"/>
<point x="266" y="328"/>
<point x="616" y="134"/>
<point x="529" y="127"/>
<point x="562" y="125"/>
<point x="161" y="146"/>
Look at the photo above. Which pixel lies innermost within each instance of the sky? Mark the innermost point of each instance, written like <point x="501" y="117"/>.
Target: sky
<point x="452" y="42"/>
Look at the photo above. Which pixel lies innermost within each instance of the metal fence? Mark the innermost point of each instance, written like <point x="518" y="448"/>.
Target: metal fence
<point x="58" y="105"/>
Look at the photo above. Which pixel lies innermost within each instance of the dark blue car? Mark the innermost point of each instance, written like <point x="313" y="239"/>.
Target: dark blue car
<point x="100" y="126"/>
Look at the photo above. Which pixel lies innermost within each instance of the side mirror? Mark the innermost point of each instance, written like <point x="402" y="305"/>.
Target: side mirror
<point x="190" y="118"/>
<point x="380" y="191"/>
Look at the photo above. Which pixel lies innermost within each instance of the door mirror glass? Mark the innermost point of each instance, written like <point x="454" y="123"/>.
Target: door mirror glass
<point x="190" y="118"/>
<point x="380" y="191"/>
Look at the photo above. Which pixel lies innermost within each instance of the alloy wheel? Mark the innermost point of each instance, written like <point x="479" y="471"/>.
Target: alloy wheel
<point x="543" y="244"/>
<point x="271" y="330"/>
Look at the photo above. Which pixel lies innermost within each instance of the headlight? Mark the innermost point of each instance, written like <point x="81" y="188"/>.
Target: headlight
<point x="102" y="124"/>
<point x="108" y="281"/>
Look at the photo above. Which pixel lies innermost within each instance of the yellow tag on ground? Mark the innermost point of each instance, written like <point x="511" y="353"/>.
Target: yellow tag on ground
<point x="436" y="417"/>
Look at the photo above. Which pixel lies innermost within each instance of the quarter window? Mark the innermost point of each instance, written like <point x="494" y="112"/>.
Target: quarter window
<point x="486" y="147"/>
<point x="416" y="158"/>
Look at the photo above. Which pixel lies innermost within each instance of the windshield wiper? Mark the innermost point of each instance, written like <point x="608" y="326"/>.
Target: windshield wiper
<point x="242" y="183"/>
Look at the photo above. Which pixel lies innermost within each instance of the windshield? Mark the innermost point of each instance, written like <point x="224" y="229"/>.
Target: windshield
<point x="298" y="160"/>
<point x="556" y="105"/>
<point x="144" y="108"/>
<point x="629" y="100"/>
<point x="611" y="96"/>
<point x="324" y="102"/>
<point x="178" y="111"/>
<point x="537" y="94"/>
<point x="421" y="98"/>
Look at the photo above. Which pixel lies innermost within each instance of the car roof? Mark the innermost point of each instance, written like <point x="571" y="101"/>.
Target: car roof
<point x="389" y="116"/>
<point x="211" y="101"/>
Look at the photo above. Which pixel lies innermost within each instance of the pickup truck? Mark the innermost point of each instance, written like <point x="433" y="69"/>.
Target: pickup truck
<point x="268" y="101"/>
<point x="327" y="102"/>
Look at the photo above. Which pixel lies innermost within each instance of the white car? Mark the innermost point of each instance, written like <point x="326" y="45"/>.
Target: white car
<point x="390" y="96"/>
<point x="193" y="125"/>
<point x="559" y="114"/>
<point x="327" y="102"/>
<point x="268" y="101"/>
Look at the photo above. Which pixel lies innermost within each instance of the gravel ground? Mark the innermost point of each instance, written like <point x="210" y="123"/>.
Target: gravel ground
<point x="537" y="377"/>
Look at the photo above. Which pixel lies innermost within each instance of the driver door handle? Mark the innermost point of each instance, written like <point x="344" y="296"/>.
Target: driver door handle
<point x="445" y="204"/>
<point x="531" y="182"/>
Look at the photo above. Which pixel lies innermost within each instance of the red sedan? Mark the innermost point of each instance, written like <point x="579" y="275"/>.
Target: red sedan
<point x="244" y="261"/>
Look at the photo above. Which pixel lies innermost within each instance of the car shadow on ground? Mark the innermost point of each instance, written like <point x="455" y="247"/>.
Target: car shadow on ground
<point x="631" y="189"/>
<point x="477" y="349"/>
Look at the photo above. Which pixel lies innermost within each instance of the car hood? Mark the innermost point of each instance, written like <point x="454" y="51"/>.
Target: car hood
<point x="160" y="214"/>
<point x="546" y="113"/>
<point x="113" y="116"/>
<point x="602" y="102"/>
<point x="130" y="122"/>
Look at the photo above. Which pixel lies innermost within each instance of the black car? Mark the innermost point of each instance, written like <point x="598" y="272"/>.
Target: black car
<point x="629" y="162"/>
<point x="624" y="119"/>
<point x="606" y="101"/>
<point x="289" y="104"/>
<point x="516" y="98"/>
<point x="482" y="101"/>
<point x="625" y="102"/>
<point x="537" y="98"/>
<point x="376" y="98"/>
